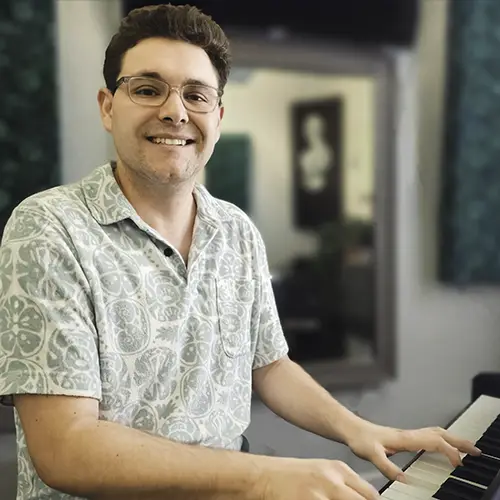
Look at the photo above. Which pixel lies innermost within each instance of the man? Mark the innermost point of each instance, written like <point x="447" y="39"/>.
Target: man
<point x="136" y="311"/>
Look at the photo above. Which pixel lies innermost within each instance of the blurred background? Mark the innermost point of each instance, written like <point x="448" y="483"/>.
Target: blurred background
<point x="362" y="137"/>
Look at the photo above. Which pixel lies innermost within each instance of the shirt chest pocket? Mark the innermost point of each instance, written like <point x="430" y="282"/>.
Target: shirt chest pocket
<point x="235" y="298"/>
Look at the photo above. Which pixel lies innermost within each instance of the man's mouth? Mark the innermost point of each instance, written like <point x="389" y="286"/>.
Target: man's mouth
<point x="170" y="142"/>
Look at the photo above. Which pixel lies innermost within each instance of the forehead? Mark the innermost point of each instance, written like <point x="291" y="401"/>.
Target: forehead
<point x="176" y="61"/>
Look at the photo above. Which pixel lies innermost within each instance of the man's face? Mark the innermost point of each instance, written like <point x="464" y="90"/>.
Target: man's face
<point x="133" y="125"/>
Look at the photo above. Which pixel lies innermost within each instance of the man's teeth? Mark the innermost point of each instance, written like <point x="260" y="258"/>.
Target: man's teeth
<point x="170" y="142"/>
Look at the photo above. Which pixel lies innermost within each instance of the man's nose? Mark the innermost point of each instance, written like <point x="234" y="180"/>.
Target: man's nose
<point x="173" y="109"/>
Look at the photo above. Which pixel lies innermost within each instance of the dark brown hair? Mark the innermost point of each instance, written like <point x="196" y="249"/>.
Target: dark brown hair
<point x="176" y="22"/>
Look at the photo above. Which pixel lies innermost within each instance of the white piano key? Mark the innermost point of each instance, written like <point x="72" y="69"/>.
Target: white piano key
<point x="413" y="490"/>
<point x="437" y="461"/>
<point x="399" y="495"/>
<point x="415" y="478"/>
<point x="430" y="469"/>
<point x="426" y="469"/>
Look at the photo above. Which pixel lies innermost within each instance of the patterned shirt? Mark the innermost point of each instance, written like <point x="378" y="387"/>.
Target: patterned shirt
<point x="94" y="303"/>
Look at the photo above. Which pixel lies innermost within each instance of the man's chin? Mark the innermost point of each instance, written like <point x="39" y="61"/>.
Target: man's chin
<point x="173" y="173"/>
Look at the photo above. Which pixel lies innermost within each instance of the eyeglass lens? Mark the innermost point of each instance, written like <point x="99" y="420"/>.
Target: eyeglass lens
<point x="151" y="92"/>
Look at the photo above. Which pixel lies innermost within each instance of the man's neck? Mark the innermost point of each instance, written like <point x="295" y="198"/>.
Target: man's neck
<point x="169" y="210"/>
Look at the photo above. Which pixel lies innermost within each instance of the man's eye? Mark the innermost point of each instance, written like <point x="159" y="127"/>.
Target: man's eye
<point x="196" y="97"/>
<point x="146" y="91"/>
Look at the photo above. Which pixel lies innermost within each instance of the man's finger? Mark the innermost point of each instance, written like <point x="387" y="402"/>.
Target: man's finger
<point x="386" y="467"/>
<point x="348" y="493"/>
<point x="451" y="452"/>
<point x="462" y="445"/>
<point x="361" y="486"/>
<point x="437" y="440"/>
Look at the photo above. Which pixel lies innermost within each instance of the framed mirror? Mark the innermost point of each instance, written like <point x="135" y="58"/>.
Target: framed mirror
<point x="307" y="152"/>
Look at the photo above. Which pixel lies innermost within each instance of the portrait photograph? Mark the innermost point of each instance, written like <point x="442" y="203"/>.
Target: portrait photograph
<point x="317" y="153"/>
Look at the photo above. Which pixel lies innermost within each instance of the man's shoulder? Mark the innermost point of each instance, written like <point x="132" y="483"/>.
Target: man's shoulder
<point x="55" y="207"/>
<point x="61" y="200"/>
<point x="52" y="201"/>
<point x="47" y="197"/>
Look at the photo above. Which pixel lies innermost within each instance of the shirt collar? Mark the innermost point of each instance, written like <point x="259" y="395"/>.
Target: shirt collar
<point x="108" y="205"/>
<point x="105" y="199"/>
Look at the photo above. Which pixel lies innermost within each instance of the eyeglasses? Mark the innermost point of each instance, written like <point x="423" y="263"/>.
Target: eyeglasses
<point x="147" y="91"/>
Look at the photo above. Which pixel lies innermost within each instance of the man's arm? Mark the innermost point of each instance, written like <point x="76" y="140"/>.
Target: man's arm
<point x="78" y="454"/>
<point x="290" y="392"/>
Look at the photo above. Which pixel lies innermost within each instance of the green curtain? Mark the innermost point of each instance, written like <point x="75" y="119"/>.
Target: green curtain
<point x="470" y="204"/>
<point x="227" y="174"/>
<point x="29" y="157"/>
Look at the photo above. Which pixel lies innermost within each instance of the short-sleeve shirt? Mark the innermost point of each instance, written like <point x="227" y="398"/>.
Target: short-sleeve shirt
<point x="95" y="303"/>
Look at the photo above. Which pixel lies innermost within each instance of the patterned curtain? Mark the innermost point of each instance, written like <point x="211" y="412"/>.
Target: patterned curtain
<point x="470" y="205"/>
<point x="29" y="157"/>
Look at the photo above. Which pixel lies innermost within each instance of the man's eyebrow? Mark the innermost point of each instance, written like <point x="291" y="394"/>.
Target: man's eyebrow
<point x="194" y="81"/>
<point x="150" y="74"/>
<point x="189" y="81"/>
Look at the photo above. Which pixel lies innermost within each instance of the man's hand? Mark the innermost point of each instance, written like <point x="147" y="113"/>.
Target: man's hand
<point x="375" y="443"/>
<point x="299" y="479"/>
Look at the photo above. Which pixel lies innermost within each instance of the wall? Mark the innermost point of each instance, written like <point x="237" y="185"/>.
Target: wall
<point x="444" y="336"/>
<point x="83" y="32"/>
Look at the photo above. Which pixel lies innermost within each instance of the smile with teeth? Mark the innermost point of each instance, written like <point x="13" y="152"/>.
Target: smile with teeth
<point x="169" y="142"/>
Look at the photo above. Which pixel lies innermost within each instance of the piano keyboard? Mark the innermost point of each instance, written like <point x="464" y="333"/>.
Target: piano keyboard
<point x="431" y="475"/>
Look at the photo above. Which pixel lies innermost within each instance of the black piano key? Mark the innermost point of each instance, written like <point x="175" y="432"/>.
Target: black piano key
<point x="482" y="461"/>
<point x="482" y="465"/>
<point x="447" y="496"/>
<point x="495" y="424"/>
<point x="486" y="441"/>
<point x="481" y="468"/>
<point x="453" y="488"/>
<point x="492" y="435"/>
<point x="492" y="431"/>
<point x="475" y="474"/>
<point x="490" y="439"/>
<point x="488" y="448"/>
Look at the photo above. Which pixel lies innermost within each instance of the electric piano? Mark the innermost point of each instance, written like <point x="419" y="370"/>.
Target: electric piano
<point x="431" y="476"/>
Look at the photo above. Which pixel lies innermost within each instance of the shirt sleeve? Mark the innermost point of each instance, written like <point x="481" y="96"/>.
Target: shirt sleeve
<point x="48" y="339"/>
<point x="271" y="344"/>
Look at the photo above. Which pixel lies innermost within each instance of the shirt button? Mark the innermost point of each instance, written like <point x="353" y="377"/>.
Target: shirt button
<point x="168" y="252"/>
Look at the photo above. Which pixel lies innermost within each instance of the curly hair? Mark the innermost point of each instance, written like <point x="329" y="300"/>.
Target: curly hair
<point x="176" y="22"/>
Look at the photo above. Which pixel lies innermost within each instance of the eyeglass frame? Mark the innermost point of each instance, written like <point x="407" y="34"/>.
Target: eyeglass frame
<point x="126" y="79"/>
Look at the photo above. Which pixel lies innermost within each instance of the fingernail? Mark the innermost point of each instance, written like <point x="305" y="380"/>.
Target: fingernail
<point x="401" y="478"/>
<point x="478" y="451"/>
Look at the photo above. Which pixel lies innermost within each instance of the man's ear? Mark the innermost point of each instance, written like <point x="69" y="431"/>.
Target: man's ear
<point x="105" y="101"/>
<point x="221" y="115"/>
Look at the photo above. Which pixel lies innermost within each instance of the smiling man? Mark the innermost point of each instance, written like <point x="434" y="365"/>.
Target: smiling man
<point x="137" y="313"/>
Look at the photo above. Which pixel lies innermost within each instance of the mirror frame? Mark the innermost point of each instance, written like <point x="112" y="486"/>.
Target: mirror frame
<point x="319" y="57"/>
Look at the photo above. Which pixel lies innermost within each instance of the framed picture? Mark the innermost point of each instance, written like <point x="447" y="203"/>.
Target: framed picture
<point x="317" y="156"/>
